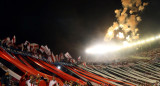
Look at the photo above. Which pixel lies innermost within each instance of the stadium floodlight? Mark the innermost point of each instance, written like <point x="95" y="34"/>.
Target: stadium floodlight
<point x="97" y="49"/>
<point x="104" y="48"/>
<point x="126" y="44"/>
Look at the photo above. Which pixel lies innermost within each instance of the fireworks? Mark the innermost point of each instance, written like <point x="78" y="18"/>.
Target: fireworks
<point x="127" y="20"/>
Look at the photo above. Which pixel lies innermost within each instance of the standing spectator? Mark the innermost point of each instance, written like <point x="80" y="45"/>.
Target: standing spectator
<point x="66" y="83"/>
<point x="53" y="82"/>
<point x="71" y="83"/>
<point x="30" y="81"/>
<point x="6" y="79"/>
<point x="43" y="81"/>
<point x="23" y="79"/>
<point x="75" y="83"/>
<point x="36" y="80"/>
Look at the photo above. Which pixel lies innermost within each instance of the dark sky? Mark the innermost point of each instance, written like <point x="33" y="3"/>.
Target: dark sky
<point x="67" y="25"/>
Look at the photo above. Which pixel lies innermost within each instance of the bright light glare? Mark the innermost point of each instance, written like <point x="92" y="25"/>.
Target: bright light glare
<point x="126" y="44"/>
<point x="104" y="48"/>
<point x="101" y="49"/>
<point x="59" y="67"/>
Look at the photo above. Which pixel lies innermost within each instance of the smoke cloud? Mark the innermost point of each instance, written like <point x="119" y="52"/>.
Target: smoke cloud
<point x="127" y="20"/>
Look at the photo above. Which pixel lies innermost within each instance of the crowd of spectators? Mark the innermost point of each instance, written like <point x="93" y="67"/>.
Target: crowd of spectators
<point x="34" y="80"/>
<point x="7" y="80"/>
<point x="150" y="53"/>
<point x="35" y="50"/>
<point x="28" y="80"/>
<point x="37" y="80"/>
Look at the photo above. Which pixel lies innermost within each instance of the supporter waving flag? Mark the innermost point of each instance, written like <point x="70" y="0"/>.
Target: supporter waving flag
<point x="9" y="43"/>
<point x="73" y="61"/>
<point x="42" y="48"/>
<point x="84" y="64"/>
<point x="6" y="40"/>
<point x="21" y="46"/>
<point x="61" y="56"/>
<point x="79" y="58"/>
<point x="28" y="45"/>
<point x="67" y="55"/>
<point x="47" y="50"/>
<point x="13" y="39"/>
<point x="53" y="57"/>
<point x="57" y="58"/>
<point x="50" y="59"/>
<point x="34" y="47"/>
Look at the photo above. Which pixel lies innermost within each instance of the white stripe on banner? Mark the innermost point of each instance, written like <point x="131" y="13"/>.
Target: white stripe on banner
<point x="13" y="74"/>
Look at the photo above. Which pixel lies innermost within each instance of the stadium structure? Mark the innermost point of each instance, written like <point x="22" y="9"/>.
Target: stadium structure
<point x="138" y="73"/>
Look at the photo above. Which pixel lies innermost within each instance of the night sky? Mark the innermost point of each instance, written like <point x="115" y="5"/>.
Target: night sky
<point x="68" y="25"/>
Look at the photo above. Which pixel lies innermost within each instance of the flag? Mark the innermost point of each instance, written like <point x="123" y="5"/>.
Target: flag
<point x="56" y="57"/>
<point x="28" y="48"/>
<point x="6" y="40"/>
<point x="50" y="59"/>
<point x="9" y="43"/>
<point x="53" y="57"/>
<point x="42" y="48"/>
<point x="67" y="55"/>
<point x="34" y="47"/>
<point x="84" y="64"/>
<point x="13" y="39"/>
<point x="47" y="50"/>
<point x="26" y="43"/>
<point x="79" y="58"/>
<point x="73" y="61"/>
<point x="61" y="56"/>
